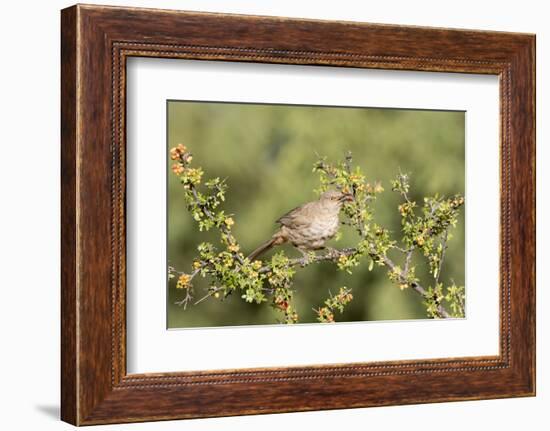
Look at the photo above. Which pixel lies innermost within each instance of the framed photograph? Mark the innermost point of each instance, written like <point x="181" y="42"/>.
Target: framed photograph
<point x="264" y="215"/>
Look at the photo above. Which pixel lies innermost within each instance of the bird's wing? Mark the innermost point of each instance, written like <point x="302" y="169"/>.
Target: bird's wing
<point x="297" y="217"/>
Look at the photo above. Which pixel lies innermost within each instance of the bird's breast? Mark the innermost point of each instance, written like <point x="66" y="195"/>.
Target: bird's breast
<point x="321" y="228"/>
<point x="326" y="226"/>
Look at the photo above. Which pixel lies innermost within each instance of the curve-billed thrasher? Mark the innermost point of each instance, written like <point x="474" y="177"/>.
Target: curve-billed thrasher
<point x="308" y="226"/>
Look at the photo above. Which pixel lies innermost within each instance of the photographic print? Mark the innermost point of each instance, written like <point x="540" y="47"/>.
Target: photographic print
<point x="290" y="214"/>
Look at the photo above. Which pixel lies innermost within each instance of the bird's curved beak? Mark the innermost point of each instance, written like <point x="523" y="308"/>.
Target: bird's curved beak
<point x="346" y="197"/>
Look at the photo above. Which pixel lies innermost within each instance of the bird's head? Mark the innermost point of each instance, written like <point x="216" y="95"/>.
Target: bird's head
<point x="336" y="196"/>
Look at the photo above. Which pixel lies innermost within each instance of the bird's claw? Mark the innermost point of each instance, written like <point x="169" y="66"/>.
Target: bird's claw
<point x="332" y="252"/>
<point x="305" y="258"/>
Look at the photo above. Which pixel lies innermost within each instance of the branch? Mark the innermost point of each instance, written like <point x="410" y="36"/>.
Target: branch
<point x="210" y="293"/>
<point x="403" y="186"/>
<point x="442" y="257"/>
<point x="188" y="297"/>
<point x="408" y="258"/>
<point x="331" y="255"/>
<point x="334" y="254"/>
<point x="208" y="214"/>
<point x="415" y="285"/>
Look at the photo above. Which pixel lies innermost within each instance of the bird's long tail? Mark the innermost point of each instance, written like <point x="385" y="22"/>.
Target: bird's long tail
<point x="262" y="249"/>
<point x="278" y="238"/>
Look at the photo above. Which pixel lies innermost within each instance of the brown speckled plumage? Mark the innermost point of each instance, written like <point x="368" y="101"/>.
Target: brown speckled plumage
<point x="308" y="226"/>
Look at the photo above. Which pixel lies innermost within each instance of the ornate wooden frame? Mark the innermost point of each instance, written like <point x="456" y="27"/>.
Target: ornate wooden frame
<point x="95" y="42"/>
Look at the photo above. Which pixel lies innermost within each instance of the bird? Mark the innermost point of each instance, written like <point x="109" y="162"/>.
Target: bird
<point x="309" y="226"/>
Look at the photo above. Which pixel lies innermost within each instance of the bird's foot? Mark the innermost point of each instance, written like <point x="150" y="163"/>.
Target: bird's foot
<point x="332" y="252"/>
<point x="306" y="257"/>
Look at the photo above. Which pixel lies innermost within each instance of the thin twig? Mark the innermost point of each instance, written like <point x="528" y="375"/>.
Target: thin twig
<point x="415" y="285"/>
<point x="440" y="267"/>
<point x="188" y="297"/>
<point x="222" y="226"/>
<point x="210" y="293"/>
<point x="402" y="192"/>
<point x="408" y="261"/>
<point x="348" y="161"/>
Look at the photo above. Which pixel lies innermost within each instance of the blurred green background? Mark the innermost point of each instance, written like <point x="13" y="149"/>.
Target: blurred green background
<point x="266" y="152"/>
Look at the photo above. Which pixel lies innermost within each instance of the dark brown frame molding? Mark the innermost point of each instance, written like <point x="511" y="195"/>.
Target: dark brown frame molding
<point x="95" y="43"/>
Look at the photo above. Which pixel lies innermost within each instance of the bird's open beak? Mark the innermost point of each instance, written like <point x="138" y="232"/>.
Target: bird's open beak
<point x="346" y="197"/>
